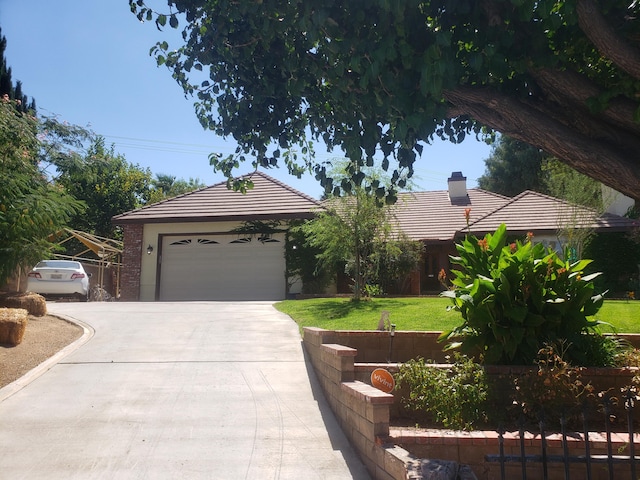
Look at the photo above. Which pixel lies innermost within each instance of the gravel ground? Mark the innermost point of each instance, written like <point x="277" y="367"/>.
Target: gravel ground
<point x="43" y="337"/>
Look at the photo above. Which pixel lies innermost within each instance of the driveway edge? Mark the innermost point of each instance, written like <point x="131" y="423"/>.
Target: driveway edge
<point x="31" y="375"/>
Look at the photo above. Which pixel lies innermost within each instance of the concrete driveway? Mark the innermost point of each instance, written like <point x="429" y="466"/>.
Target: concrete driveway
<point x="206" y="390"/>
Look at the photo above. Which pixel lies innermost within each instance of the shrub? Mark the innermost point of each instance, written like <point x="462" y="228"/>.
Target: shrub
<point x="516" y="297"/>
<point x="555" y="388"/>
<point x="455" y="397"/>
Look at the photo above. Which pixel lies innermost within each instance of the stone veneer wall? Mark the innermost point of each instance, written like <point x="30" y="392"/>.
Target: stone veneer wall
<point x="131" y="262"/>
<point x="396" y="453"/>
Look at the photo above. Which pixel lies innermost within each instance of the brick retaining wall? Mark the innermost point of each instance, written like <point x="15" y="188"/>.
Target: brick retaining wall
<point x="373" y="345"/>
<point x="396" y="453"/>
<point x="363" y="414"/>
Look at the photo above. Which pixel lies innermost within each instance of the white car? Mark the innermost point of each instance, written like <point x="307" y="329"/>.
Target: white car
<point x="59" y="278"/>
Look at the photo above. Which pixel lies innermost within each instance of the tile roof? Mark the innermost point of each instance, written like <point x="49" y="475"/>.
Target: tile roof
<point x="269" y="199"/>
<point x="536" y="212"/>
<point x="434" y="216"/>
<point x="429" y="216"/>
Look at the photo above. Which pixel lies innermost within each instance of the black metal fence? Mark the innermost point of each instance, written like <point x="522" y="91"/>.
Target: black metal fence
<point x="617" y="466"/>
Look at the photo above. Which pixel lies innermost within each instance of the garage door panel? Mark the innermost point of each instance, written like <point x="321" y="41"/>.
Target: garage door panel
<point x="196" y="268"/>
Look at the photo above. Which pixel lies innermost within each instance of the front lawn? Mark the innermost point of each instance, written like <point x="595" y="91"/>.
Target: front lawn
<point x="420" y="313"/>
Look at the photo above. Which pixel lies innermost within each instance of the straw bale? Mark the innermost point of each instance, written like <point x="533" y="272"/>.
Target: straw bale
<point x="13" y="323"/>
<point x="33" y="303"/>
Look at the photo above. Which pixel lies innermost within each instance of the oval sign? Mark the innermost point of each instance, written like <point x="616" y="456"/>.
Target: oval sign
<point x="383" y="380"/>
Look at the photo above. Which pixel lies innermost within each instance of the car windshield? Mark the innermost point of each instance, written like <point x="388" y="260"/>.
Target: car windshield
<point x="58" y="264"/>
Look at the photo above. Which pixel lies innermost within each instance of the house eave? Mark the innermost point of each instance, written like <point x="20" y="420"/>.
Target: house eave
<point x="223" y="218"/>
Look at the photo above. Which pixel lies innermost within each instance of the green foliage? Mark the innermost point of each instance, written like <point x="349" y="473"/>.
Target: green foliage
<point x="562" y="181"/>
<point x="513" y="298"/>
<point x="394" y="261"/>
<point x="302" y="261"/>
<point x="617" y="256"/>
<point x="578" y="189"/>
<point x="106" y="183"/>
<point x="167" y="186"/>
<point x="384" y="78"/>
<point x="513" y="167"/>
<point x="356" y="230"/>
<point x="461" y="395"/>
<point x="31" y="209"/>
<point x="455" y="397"/>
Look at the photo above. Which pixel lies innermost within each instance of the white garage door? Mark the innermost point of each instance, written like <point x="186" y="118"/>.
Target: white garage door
<point x="222" y="267"/>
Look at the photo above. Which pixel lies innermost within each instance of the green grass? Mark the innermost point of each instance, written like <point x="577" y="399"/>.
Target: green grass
<point x="422" y="314"/>
<point x="343" y="314"/>
<point x="623" y="315"/>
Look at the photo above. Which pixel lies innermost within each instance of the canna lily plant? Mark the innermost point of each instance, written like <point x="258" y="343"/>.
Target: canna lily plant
<point x="516" y="297"/>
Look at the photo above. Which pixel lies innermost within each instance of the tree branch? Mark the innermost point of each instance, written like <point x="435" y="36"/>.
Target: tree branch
<point x="595" y="158"/>
<point x="571" y="89"/>
<point x="608" y="43"/>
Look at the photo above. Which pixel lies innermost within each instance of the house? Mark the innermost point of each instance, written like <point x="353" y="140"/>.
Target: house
<point x="211" y="244"/>
<point x="439" y="219"/>
<point x="217" y="244"/>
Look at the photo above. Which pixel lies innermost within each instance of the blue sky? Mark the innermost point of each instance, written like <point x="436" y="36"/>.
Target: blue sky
<point x="88" y="63"/>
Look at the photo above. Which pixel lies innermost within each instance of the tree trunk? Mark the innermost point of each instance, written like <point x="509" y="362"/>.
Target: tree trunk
<point x="611" y="164"/>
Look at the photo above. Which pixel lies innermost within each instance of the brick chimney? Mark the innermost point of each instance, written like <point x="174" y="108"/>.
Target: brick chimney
<point x="457" y="186"/>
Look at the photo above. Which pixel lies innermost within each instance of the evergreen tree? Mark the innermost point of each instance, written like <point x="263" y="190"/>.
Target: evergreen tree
<point x="6" y="84"/>
<point x="513" y="167"/>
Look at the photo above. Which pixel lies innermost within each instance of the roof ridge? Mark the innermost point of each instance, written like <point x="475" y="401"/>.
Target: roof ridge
<point x="556" y="199"/>
<point x="284" y="185"/>
<point x="510" y="201"/>
<point x="489" y="192"/>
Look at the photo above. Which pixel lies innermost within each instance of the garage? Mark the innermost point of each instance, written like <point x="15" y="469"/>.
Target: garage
<point x="213" y="244"/>
<point x="222" y="267"/>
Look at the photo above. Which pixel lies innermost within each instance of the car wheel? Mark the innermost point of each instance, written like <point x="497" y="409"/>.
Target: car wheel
<point x="83" y="298"/>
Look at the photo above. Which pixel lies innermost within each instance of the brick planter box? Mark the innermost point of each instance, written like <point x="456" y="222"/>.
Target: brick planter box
<point x="401" y="453"/>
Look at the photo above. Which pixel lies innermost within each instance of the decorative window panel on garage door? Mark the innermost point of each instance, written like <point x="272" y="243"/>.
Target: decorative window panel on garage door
<point x="222" y="267"/>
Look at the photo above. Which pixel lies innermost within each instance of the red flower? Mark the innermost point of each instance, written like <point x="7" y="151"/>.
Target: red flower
<point x="483" y="244"/>
<point x="442" y="277"/>
<point x="513" y="247"/>
<point x="467" y="214"/>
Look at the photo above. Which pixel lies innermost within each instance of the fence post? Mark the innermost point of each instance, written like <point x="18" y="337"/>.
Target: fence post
<point x="607" y="424"/>
<point x="501" y="444"/>
<point x="565" y="446"/>
<point x="523" y="458"/>
<point x="543" y="445"/>
<point x="587" y="447"/>
<point x="629" y="404"/>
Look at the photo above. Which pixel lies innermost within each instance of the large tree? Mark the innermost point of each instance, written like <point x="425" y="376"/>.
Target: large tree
<point x="106" y="183"/>
<point x="168" y="186"/>
<point x="513" y="167"/>
<point x="32" y="210"/>
<point x="384" y="77"/>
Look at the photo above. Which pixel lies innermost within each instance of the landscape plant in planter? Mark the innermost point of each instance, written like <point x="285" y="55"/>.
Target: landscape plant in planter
<point x="517" y="297"/>
<point x="521" y="304"/>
